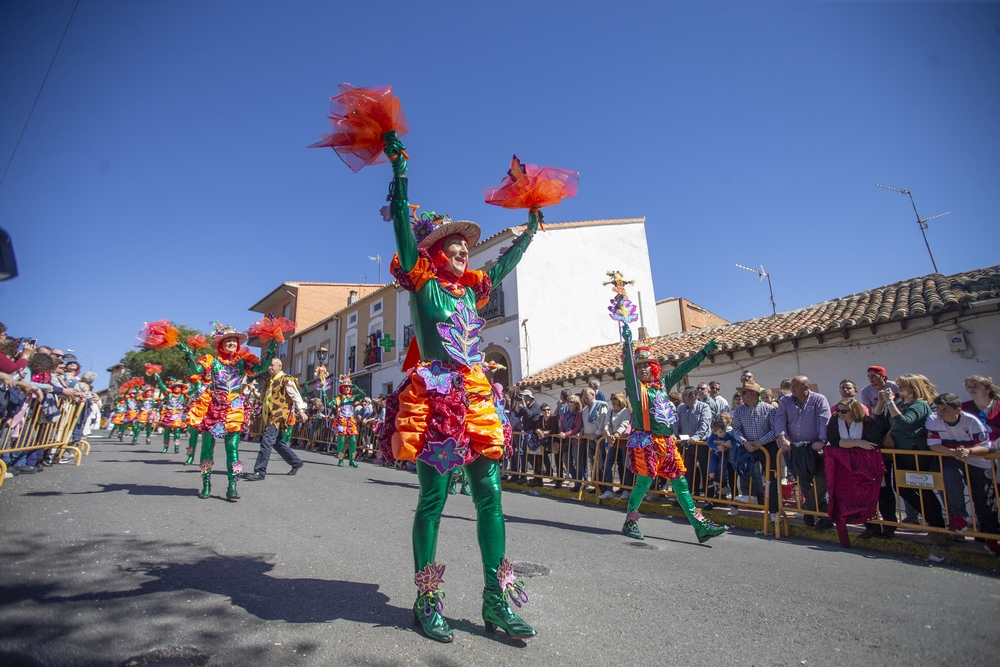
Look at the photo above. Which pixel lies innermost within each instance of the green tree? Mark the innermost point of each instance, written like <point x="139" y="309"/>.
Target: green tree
<point x="171" y="358"/>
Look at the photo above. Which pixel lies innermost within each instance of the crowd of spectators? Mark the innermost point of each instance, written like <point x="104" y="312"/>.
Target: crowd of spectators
<point x="734" y="449"/>
<point x="35" y="378"/>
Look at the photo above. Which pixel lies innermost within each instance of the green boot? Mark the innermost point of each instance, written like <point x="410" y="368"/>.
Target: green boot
<point x="631" y="527"/>
<point x="177" y="448"/>
<point x="430" y="603"/>
<point x="231" y="494"/>
<point x="190" y="458"/>
<point x="703" y="528"/>
<point x="340" y="463"/>
<point x="206" y="486"/>
<point x="497" y="614"/>
<point x="465" y="487"/>
<point x="453" y="484"/>
<point x="166" y="446"/>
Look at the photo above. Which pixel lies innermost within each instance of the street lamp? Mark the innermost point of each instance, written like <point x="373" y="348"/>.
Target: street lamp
<point x="922" y="222"/>
<point x="763" y="274"/>
<point x="322" y="354"/>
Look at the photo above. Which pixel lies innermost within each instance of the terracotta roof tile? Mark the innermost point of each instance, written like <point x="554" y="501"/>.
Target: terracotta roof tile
<point x="917" y="297"/>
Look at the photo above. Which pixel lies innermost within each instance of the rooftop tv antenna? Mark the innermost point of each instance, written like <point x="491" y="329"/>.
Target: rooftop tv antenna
<point x="762" y="274"/>
<point x="378" y="260"/>
<point x="920" y="221"/>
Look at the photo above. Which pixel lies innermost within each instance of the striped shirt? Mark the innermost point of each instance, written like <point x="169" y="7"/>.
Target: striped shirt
<point x="755" y="423"/>
<point x="966" y="432"/>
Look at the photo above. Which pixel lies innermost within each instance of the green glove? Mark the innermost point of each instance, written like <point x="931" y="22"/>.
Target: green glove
<point x="710" y="347"/>
<point x="626" y="332"/>
<point x="394" y="151"/>
<point x="534" y="217"/>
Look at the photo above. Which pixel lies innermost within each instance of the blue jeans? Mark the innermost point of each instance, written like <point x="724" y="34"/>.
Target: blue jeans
<point x="270" y="439"/>
<point x="611" y="456"/>
<point x="953" y="472"/>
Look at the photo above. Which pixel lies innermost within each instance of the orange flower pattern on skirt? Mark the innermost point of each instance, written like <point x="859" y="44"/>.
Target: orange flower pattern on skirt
<point x="659" y="458"/>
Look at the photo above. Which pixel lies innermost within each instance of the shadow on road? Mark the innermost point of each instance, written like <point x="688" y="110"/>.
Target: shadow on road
<point x="405" y="485"/>
<point x="138" y="490"/>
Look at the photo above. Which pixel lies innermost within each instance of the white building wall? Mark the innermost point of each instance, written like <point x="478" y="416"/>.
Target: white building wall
<point x="668" y="316"/>
<point x="921" y="348"/>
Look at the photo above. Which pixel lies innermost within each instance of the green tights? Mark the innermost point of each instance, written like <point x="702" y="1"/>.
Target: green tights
<point x="177" y="434"/>
<point x="352" y="443"/>
<point x="483" y="475"/>
<point x="232" y="444"/>
<point x="680" y="487"/>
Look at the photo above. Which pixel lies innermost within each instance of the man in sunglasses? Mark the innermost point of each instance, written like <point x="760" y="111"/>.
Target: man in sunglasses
<point x="753" y="427"/>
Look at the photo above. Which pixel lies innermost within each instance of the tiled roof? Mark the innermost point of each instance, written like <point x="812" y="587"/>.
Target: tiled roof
<point x="917" y="297"/>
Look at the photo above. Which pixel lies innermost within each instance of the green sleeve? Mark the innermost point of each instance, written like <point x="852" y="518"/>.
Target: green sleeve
<point x="507" y="261"/>
<point x="159" y="383"/>
<point x="193" y="366"/>
<point x="268" y="356"/>
<point x="628" y="369"/>
<point x="676" y="375"/>
<point x="406" y="243"/>
<point x="359" y="394"/>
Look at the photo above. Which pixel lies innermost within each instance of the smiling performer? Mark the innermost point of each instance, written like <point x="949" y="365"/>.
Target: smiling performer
<point x="443" y="415"/>
<point x="651" y="449"/>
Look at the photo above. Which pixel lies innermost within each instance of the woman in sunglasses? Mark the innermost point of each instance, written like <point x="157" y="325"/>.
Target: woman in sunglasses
<point x="853" y="441"/>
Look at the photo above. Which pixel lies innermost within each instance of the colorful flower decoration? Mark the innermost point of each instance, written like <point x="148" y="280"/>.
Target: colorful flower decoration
<point x="663" y="410"/>
<point x="238" y="467"/>
<point x="436" y="378"/>
<point x="271" y="328"/>
<point x="153" y="369"/>
<point x="461" y="338"/>
<point x="532" y="187"/>
<point x="510" y="584"/>
<point x="632" y="516"/>
<point x="158" y="335"/>
<point x="429" y="594"/>
<point x="197" y="341"/>
<point x="360" y="118"/>
<point x="622" y="310"/>
<point x="443" y="456"/>
<point x="639" y="440"/>
<point x="205" y="466"/>
<point x="218" y="429"/>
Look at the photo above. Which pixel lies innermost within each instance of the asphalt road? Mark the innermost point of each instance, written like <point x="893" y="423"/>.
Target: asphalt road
<point x="119" y="559"/>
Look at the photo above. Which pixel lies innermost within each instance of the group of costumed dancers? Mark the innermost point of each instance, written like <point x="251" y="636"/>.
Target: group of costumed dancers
<point x="445" y="417"/>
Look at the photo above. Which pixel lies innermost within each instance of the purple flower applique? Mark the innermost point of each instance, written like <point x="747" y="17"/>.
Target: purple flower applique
<point x="218" y="429"/>
<point x="639" y="440"/>
<point x="443" y="456"/>
<point x="205" y="466"/>
<point x="510" y="584"/>
<point x="461" y="337"/>
<point x="236" y="402"/>
<point x="429" y="594"/>
<point x="436" y="377"/>
<point x="238" y="467"/>
<point x="632" y="516"/>
<point x="622" y="310"/>
<point x="663" y="410"/>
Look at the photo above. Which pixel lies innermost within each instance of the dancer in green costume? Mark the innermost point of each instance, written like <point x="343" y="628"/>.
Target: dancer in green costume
<point x="172" y="411"/>
<point x="197" y="387"/>
<point x="443" y="416"/>
<point x="651" y="449"/>
<point x="344" y="423"/>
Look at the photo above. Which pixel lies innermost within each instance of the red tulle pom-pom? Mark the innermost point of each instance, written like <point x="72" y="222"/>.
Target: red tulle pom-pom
<point x="197" y="341"/>
<point x="269" y="329"/>
<point x="530" y="186"/>
<point x="153" y="369"/>
<point x="360" y="117"/>
<point x="249" y="357"/>
<point x="159" y="335"/>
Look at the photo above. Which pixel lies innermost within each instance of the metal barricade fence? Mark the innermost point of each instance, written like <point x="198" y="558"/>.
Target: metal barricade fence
<point x="566" y="460"/>
<point x="919" y="477"/>
<point x="36" y="432"/>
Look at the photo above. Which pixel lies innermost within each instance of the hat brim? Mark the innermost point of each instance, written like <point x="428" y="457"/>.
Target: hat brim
<point x="240" y="337"/>
<point x="466" y="228"/>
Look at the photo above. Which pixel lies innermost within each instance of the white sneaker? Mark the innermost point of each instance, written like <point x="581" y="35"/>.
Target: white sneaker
<point x="733" y="511"/>
<point x="625" y="495"/>
<point x="742" y="499"/>
<point x="607" y="494"/>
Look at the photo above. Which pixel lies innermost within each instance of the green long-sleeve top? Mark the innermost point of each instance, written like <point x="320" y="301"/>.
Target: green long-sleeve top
<point x="228" y="377"/>
<point x="340" y="401"/>
<point x="433" y="299"/>
<point x="909" y="427"/>
<point x="651" y="403"/>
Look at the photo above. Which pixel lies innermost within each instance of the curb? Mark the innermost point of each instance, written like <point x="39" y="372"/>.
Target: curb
<point x="908" y="547"/>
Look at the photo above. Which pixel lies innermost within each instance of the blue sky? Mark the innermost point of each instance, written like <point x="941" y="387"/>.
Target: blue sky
<point x="164" y="172"/>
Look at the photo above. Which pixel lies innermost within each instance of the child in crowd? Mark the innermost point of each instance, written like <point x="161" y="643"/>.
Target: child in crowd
<point x="956" y="433"/>
<point x="720" y="441"/>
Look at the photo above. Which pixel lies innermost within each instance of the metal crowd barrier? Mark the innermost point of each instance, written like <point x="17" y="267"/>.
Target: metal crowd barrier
<point x="36" y="432"/>
<point x="582" y="462"/>
<point x="921" y="474"/>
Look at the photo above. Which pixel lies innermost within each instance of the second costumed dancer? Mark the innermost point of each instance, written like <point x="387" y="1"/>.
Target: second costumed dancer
<point x="651" y="449"/>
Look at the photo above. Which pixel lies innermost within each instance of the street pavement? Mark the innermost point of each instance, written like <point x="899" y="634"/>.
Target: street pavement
<point x="118" y="562"/>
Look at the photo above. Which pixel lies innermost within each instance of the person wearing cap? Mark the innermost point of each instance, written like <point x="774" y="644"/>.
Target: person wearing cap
<point x="527" y="410"/>
<point x="444" y="414"/>
<point x="651" y="449"/>
<point x="877" y="382"/>
<point x="345" y="424"/>
<point x="220" y="408"/>
<point x="753" y="428"/>
<point x="172" y="417"/>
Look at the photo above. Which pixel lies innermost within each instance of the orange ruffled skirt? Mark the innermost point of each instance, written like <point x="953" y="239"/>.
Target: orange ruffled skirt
<point x="482" y="424"/>
<point x="661" y="458"/>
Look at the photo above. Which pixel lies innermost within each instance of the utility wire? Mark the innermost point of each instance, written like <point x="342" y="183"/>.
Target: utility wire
<point x="40" y="88"/>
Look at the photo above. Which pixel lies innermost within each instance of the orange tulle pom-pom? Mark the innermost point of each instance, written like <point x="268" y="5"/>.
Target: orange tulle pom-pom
<point x="159" y="335"/>
<point x="270" y="328"/>
<point x="249" y="357"/>
<point x="197" y="341"/>
<point x="360" y="117"/>
<point x="131" y="384"/>
<point x="530" y="186"/>
<point x="153" y="369"/>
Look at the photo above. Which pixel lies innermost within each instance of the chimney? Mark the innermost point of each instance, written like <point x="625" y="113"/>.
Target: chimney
<point x="352" y="297"/>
